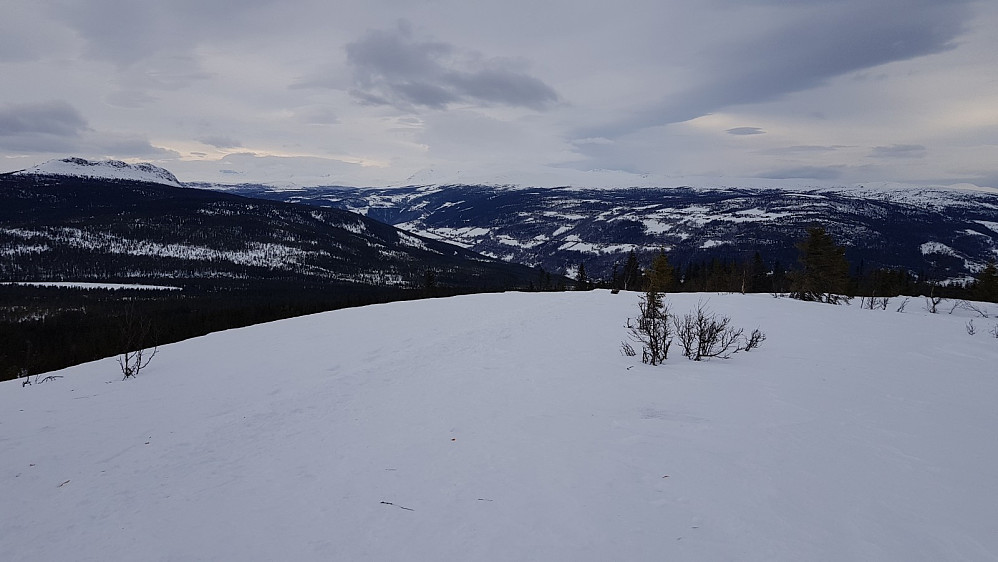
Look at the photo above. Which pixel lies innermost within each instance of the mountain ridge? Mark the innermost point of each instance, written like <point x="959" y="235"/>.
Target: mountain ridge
<point x="61" y="227"/>
<point x="947" y="234"/>
<point x="103" y="170"/>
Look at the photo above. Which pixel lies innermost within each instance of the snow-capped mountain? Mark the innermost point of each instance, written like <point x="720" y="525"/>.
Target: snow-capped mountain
<point x="943" y="233"/>
<point x="103" y="169"/>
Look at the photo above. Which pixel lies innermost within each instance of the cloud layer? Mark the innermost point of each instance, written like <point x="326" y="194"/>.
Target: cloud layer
<point x="392" y="67"/>
<point x="378" y="91"/>
<point x="38" y="126"/>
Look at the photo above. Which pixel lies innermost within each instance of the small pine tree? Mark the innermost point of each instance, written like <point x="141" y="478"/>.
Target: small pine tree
<point x="429" y="282"/>
<point x="824" y="273"/>
<point x="615" y="281"/>
<point x="651" y="329"/>
<point x="632" y="272"/>
<point x="582" y="279"/>
<point x="661" y="275"/>
<point x="757" y="274"/>
<point x="985" y="287"/>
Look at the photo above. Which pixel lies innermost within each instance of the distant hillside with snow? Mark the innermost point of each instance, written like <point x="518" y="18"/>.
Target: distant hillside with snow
<point x="103" y="169"/>
<point x="509" y="427"/>
<point x="939" y="233"/>
<point x="87" y="229"/>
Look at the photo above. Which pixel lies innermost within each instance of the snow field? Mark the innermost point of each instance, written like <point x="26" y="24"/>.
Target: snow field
<point x="509" y="427"/>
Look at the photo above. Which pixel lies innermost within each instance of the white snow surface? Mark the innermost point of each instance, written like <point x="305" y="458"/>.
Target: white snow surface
<point x="104" y="169"/>
<point x="509" y="427"/>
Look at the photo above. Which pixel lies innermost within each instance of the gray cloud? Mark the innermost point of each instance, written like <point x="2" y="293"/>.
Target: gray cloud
<point x="316" y="115"/>
<point x="219" y="141"/>
<point x="746" y="131"/>
<point x="800" y="149"/>
<point x="54" y="118"/>
<point x="125" y="32"/>
<point x="829" y="39"/>
<point x="805" y="172"/>
<point x="47" y="127"/>
<point x="392" y="67"/>
<point x="27" y="35"/>
<point x="129" y="99"/>
<point x="898" y="151"/>
<point x="127" y="146"/>
<point x="986" y="180"/>
<point x="57" y="127"/>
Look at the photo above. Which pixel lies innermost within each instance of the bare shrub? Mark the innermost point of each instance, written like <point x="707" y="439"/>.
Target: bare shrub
<point x="932" y="301"/>
<point x="904" y="303"/>
<point x="627" y="350"/>
<point x="971" y="307"/>
<point x="754" y="340"/>
<point x="971" y="330"/>
<point x="39" y="379"/>
<point x="874" y="302"/>
<point x="136" y="333"/>
<point x="704" y="335"/>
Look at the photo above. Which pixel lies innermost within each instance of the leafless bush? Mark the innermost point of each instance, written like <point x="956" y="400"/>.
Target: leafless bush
<point x="754" y="340"/>
<point x="874" y="302"/>
<point x="904" y="303"/>
<point x="932" y="304"/>
<point x="627" y="349"/>
<point x="39" y="379"/>
<point x="703" y="334"/>
<point x="136" y="332"/>
<point x="969" y="306"/>
<point x="994" y="331"/>
<point x="132" y="362"/>
<point x="971" y="330"/>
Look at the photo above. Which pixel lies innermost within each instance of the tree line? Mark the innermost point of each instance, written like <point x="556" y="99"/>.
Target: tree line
<point x="822" y="273"/>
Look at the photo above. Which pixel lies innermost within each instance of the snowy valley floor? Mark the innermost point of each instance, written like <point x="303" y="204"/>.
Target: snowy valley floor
<point x="509" y="427"/>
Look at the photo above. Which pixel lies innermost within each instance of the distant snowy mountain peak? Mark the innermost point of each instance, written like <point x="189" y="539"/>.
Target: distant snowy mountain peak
<point x="104" y="169"/>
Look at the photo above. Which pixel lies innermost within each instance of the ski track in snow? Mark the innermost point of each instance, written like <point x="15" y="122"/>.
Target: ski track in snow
<point x="509" y="427"/>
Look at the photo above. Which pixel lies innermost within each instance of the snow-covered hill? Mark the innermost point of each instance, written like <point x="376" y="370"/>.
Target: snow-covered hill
<point x="103" y="169"/>
<point x="509" y="427"/>
<point x="941" y="233"/>
<point x="62" y="228"/>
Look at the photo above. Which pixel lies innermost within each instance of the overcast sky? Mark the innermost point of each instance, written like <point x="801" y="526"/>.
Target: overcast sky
<point x="373" y="92"/>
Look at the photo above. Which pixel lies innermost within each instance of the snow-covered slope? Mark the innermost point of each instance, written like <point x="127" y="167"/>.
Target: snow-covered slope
<point x="558" y="228"/>
<point x="509" y="427"/>
<point x="104" y="169"/>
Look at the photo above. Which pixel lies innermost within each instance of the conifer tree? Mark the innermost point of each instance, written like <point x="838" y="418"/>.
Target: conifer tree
<point x="632" y="272"/>
<point x="985" y="287"/>
<point x="582" y="279"/>
<point x="757" y="278"/>
<point x="661" y="274"/>
<point x="824" y="273"/>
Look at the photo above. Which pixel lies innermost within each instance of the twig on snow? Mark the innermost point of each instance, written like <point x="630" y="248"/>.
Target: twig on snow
<point x="399" y="506"/>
